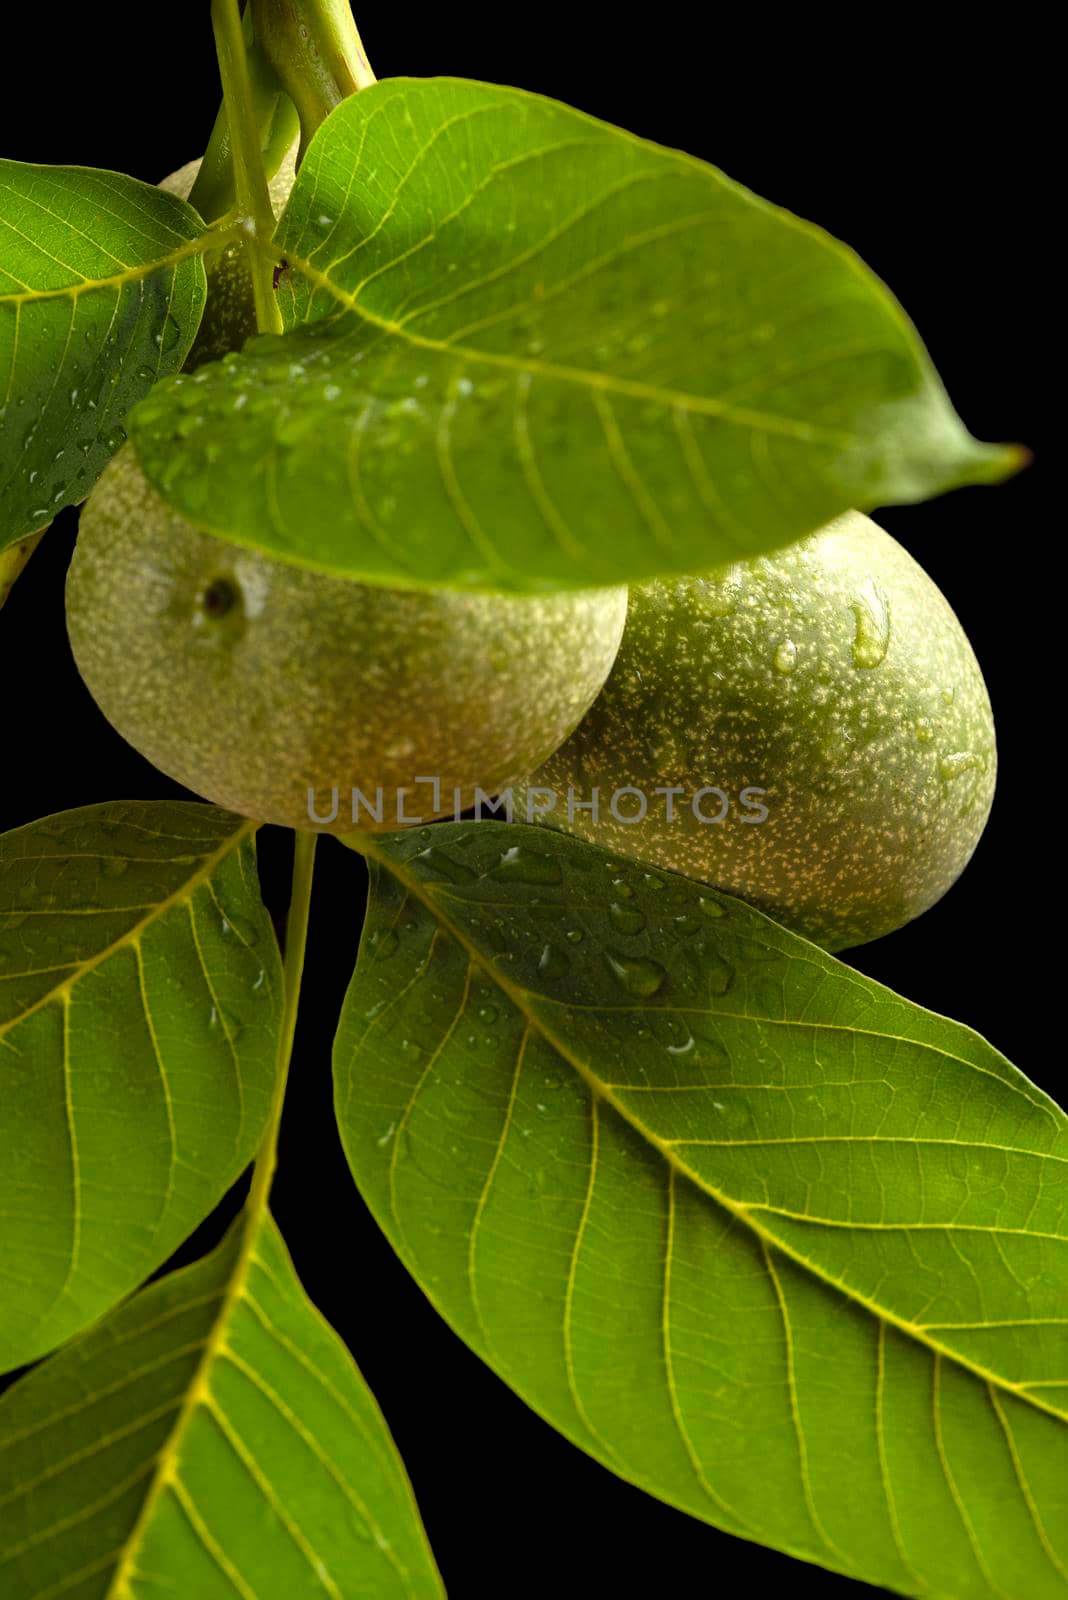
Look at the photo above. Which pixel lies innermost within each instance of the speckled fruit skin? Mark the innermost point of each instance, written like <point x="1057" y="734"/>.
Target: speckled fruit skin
<point x="309" y="681"/>
<point x="230" y="313"/>
<point x="834" y="675"/>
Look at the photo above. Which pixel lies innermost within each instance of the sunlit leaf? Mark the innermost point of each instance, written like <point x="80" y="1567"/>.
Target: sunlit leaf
<point x="211" y="1438"/>
<point x="531" y="350"/>
<point x="100" y="295"/>
<point x="769" y="1241"/>
<point x="140" y="1001"/>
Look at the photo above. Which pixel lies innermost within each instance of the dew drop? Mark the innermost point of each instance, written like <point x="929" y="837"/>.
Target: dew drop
<point x="953" y="766"/>
<point x="169" y="335"/>
<point x="439" y="861"/>
<point x="710" y="907"/>
<point x="638" y="976"/>
<point x="721" y="597"/>
<point x="383" y="943"/>
<point x="487" y="1014"/>
<point x="924" y="730"/>
<point x="719" y="975"/>
<point x="871" y="638"/>
<point x="622" y="888"/>
<point x="246" y="931"/>
<point x="785" y="658"/>
<point x="625" y="919"/>
<point x="553" y="962"/>
<point x="686" y="923"/>
<point x="520" y="865"/>
<point x="574" y="935"/>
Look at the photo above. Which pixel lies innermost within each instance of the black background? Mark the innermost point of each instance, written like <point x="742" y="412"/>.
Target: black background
<point x="920" y="153"/>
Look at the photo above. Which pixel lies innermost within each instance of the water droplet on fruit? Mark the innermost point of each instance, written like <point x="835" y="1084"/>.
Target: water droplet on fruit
<point x="520" y="865"/>
<point x="785" y="658"/>
<point x="638" y="976"/>
<point x="721" y="597"/>
<point x="625" y="919"/>
<point x="961" y="761"/>
<point x="871" y="638"/>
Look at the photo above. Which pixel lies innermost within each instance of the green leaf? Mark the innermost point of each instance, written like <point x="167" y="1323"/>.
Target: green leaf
<point x="140" y="1005"/>
<point x="211" y="1438"/>
<point x="14" y="559"/>
<point x="101" y="292"/>
<point x="529" y="350"/>
<point x="764" y="1238"/>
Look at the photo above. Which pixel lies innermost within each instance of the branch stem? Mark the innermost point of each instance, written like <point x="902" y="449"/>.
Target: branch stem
<point x="255" y="213"/>
<point x="317" y="53"/>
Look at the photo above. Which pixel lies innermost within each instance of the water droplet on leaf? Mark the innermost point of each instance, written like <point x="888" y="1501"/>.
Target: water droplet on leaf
<point x="638" y="976"/>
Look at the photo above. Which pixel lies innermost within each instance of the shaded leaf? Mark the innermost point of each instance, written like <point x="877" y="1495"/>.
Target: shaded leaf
<point x="530" y="350"/>
<point x="211" y="1438"/>
<point x="140" y="1003"/>
<point x="764" y="1238"/>
<point x="14" y="559"/>
<point x="100" y="295"/>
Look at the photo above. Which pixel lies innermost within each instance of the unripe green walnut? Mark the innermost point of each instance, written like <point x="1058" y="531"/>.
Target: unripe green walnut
<point x="253" y="681"/>
<point x="834" y="676"/>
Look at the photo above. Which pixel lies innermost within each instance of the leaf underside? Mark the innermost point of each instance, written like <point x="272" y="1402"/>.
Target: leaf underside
<point x="764" y="1238"/>
<point x="140" y="1003"/>
<point x="212" y="1438"/>
<point x="99" y="299"/>
<point x="528" y="350"/>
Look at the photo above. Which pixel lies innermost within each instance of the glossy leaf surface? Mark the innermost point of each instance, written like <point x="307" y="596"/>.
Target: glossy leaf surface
<point x="769" y="1241"/>
<point x="529" y="350"/>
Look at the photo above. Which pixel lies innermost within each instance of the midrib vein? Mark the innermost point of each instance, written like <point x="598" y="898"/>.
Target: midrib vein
<point x="737" y="1209"/>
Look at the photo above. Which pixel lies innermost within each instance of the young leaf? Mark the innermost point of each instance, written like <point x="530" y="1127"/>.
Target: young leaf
<point x="211" y="1438"/>
<point x="529" y="350"/>
<point x="140" y="1004"/>
<point x="100" y="295"/>
<point x="764" y="1238"/>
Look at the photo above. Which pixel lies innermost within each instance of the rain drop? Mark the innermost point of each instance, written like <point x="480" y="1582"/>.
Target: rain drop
<point x="520" y="865"/>
<point x="625" y="919"/>
<point x="439" y="861"/>
<point x="383" y="943"/>
<point x="638" y="976"/>
<point x="785" y="658"/>
<point x="871" y="638"/>
<point x="953" y="766"/>
<point x="553" y="962"/>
